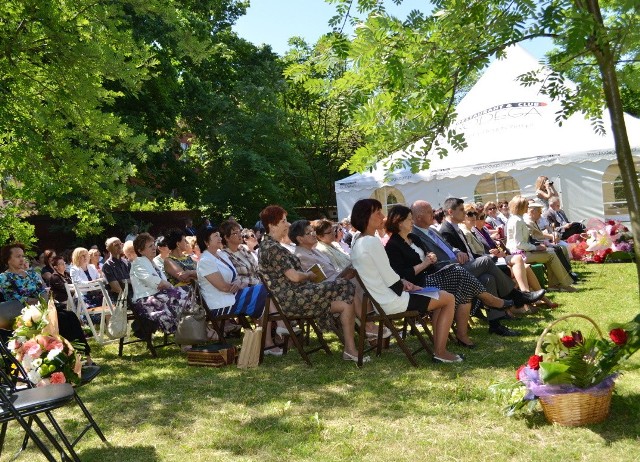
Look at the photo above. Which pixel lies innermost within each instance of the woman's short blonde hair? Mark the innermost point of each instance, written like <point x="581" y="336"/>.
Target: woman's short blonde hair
<point x="518" y="205"/>
<point x="77" y="253"/>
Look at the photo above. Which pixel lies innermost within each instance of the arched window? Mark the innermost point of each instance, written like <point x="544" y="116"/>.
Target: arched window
<point x="613" y="197"/>
<point x="388" y="197"/>
<point x="496" y="187"/>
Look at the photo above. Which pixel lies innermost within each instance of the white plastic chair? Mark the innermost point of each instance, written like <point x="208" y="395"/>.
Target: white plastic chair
<point x="81" y="308"/>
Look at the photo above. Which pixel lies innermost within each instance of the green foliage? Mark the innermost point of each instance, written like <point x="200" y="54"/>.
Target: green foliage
<point x="62" y="154"/>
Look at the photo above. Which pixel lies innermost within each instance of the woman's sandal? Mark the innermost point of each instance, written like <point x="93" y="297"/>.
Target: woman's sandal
<point x="348" y="357"/>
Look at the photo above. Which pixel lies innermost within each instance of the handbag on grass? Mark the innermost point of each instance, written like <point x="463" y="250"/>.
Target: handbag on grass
<point x="250" y="351"/>
<point x="192" y="326"/>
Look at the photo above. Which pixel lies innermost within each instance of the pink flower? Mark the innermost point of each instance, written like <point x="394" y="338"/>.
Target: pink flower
<point x="54" y="344"/>
<point x="58" y="377"/>
<point x="32" y="348"/>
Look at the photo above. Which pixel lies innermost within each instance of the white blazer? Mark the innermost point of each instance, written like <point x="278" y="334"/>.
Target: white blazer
<point x="144" y="278"/>
<point x="78" y="275"/>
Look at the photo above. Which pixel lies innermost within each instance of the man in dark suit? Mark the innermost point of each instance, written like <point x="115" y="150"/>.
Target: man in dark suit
<point x="556" y="217"/>
<point x="482" y="267"/>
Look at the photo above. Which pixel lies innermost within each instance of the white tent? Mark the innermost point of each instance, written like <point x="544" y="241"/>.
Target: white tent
<point x="512" y="138"/>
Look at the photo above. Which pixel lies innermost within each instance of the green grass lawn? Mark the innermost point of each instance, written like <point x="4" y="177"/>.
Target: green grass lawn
<point x="163" y="410"/>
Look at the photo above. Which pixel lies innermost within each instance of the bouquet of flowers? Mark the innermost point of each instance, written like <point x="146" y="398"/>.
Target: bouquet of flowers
<point x="45" y="356"/>
<point x="600" y="239"/>
<point x="570" y="362"/>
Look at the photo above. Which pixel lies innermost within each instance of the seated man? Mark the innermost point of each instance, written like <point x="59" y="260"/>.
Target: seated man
<point x="495" y="281"/>
<point x="116" y="268"/>
<point x="558" y="219"/>
<point x="542" y="237"/>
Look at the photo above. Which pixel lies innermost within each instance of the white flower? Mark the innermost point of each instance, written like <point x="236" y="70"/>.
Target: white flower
<point x="37" y="363"/>
<point x="27" y="362"/>
<point x="31" y="313"/>
<point x="34" y="376"/>
<point x="11" y="345"/>
<point x="53" y="353"/>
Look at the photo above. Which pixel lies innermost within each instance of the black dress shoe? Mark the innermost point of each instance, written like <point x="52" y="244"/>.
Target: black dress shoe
<point x="526" y="298"/>
<point x="503" y="331"/>
<point x="574" y="276"/>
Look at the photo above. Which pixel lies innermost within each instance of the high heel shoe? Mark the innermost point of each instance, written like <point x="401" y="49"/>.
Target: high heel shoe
<point x="471" y="346"/>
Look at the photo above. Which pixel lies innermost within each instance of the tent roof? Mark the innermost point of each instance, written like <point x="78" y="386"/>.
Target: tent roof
<point x="507" y="126"/>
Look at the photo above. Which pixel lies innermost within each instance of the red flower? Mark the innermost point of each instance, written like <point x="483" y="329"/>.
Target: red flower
<point x="534" y="362"/>
<point x="520" y="369"/>
<point x="611" y="222"/>
<point x="619" y="336"/>
<point x="568" y="341"/>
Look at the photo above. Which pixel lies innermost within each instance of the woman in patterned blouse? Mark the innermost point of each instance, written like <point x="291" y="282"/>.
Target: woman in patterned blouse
<point x="293" y="289"/>
<point x="179" y="268"/>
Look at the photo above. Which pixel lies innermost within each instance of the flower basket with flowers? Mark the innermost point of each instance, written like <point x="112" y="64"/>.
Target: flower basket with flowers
<point x="45" y="356"/>
<point x="572" y="375"/>
<point x="601" y="239"/>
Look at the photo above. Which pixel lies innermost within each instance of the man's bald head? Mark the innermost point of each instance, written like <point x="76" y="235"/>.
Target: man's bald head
<point x="422" y="213"/>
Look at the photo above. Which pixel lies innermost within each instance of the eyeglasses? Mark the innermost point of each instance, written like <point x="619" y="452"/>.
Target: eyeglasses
<point x="310" y="233"/>
<point x="236" y="233"/>
<point x="247" y="236"/>
<point x="492" y="208"/>
<point x="472" y="214"/>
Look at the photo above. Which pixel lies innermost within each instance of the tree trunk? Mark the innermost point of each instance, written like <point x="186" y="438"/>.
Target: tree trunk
<point x="602" y="51"/>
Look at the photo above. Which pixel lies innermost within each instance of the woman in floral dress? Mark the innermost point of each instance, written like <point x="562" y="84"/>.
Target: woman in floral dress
<point x="293" y="289"/>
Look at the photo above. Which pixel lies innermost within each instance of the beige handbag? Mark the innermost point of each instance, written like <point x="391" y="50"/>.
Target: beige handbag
<point x="250" y="352"/>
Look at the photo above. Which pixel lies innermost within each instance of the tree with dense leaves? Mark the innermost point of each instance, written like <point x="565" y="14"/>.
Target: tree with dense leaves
<point x="411" y="70"/>
<point x="62" y="154"/>
<point x="319" y="118"/>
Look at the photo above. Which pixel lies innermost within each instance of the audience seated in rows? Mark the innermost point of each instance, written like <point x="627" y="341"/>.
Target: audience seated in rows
<point x="518" y="242"/>
<point x="387" y="287"/>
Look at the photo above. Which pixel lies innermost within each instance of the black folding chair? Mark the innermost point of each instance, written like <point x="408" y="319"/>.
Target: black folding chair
<point x="20" y="405"/>
<point x="407" y="317"/>
<point x="19" y="382"/>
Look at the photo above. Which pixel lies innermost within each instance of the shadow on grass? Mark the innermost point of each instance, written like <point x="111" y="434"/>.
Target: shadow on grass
<point x="121" y="454"/>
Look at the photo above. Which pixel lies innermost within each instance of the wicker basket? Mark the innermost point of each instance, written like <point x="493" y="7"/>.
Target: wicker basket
<point x="578" y="408"/>
<point x="212" y="355"/>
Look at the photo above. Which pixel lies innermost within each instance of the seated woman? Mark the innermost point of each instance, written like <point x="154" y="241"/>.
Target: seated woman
<point x="221" y="288"/>
<point x="304" y="237"/>
<point x="387" y="287"/>
<point x="244" y="262"/>
<point x="293" y="289"/>
<point x="16" y="283"/>
<point x="326" y="233"/>
<point x="518" y="243"/>
<point x="250" y="242"/>
<point x="481" y="242"/>
<point x="82" y="271"/>
<point x="57" y="282"/>
<point x="154" y="299"/>
<point x="179" y="267"/>
<point x="94" y="259"/>
<point x="412" y="261"/>
<point x="47" y="269"/>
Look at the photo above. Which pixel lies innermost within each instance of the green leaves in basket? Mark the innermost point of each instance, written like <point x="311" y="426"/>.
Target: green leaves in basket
<point x="555" y="373"/>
